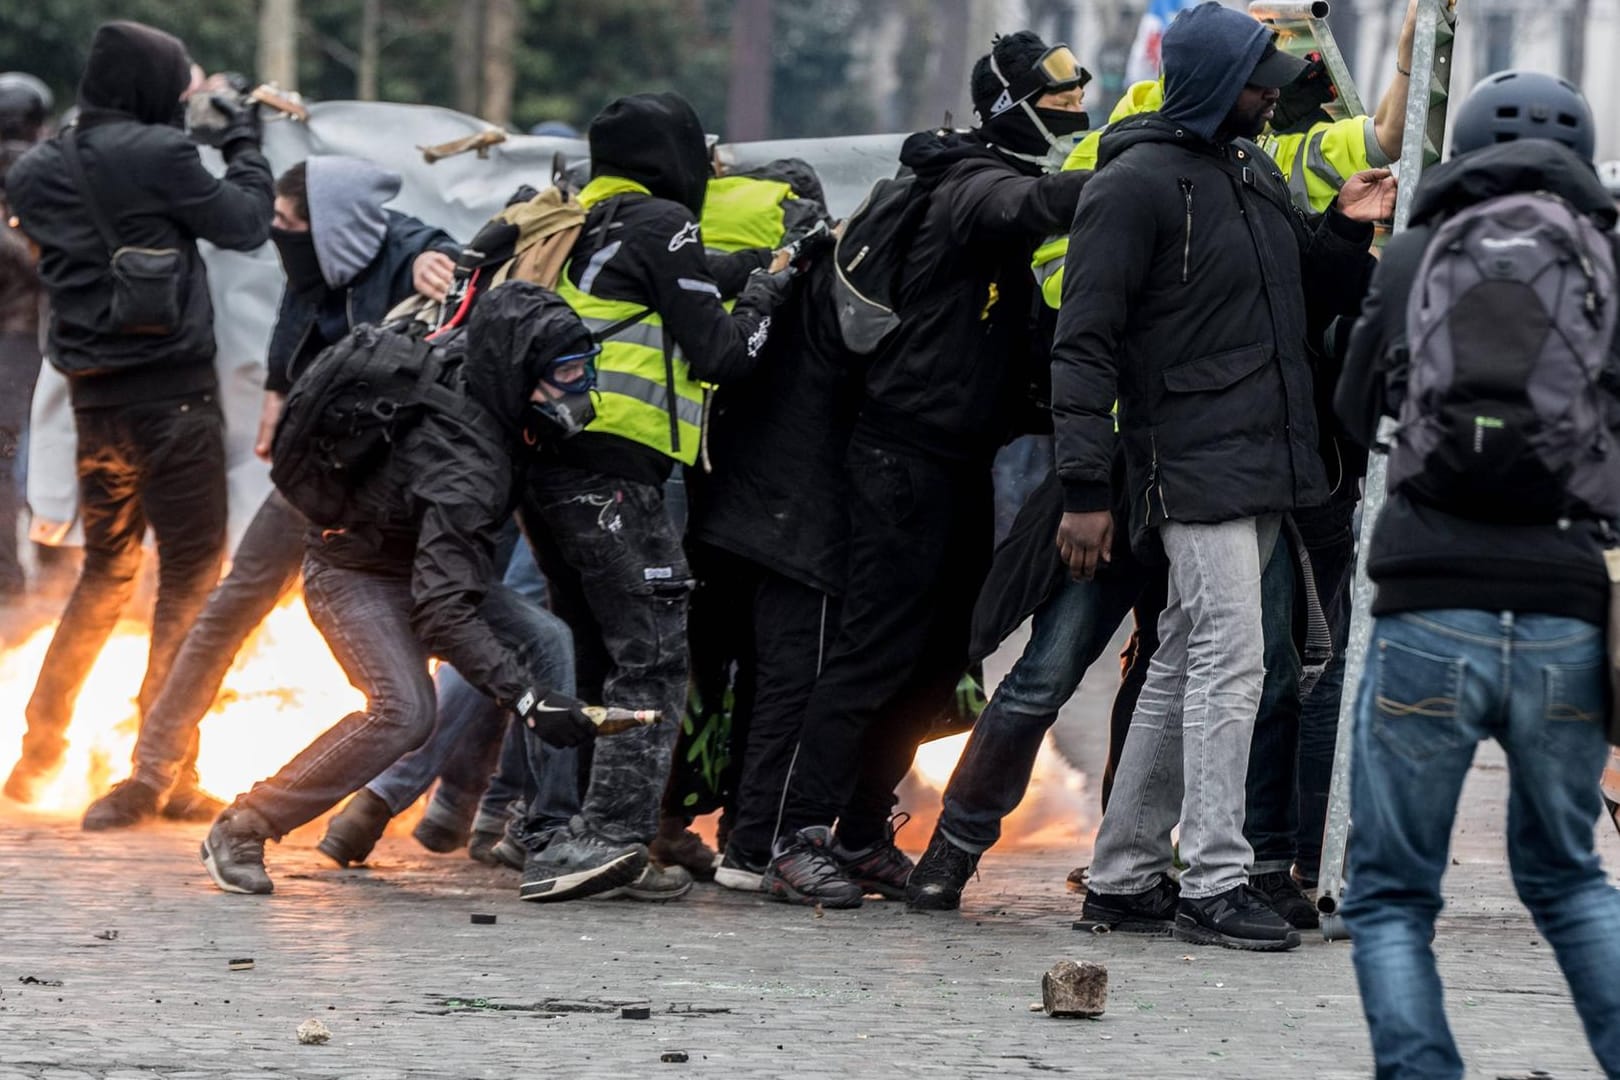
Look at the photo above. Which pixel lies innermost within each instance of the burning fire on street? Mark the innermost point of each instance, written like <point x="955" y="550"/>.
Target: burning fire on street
<point x="285" y="689"/>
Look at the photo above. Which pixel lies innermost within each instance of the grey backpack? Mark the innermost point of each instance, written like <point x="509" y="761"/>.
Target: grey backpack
<point x="1509" y="326"/>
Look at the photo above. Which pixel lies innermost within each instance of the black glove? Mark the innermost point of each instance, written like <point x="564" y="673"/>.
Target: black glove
<point x="806" y="248"/>
<point x="241" y="120"/>
<point x="765" y="291"/>
<point x="555" y="717"/>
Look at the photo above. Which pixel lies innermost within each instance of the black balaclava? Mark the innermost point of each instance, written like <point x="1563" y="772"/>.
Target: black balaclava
<point x="1014" y="130"/>
<point x="1300" y="103"/>
<point x="297" y="251"/>
<point x="137" y="70"/>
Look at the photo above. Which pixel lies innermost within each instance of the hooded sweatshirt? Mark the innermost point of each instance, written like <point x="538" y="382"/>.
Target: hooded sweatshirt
<point x="1209" y="53"/>
<point x="153" y="189"/>
<point x="650" y="173"/>
<point x="365" y="254"/>
<point x="1422" y="557"/>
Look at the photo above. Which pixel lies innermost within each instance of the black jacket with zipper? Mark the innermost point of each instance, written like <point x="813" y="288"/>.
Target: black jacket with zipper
<point x="950" y="381"/>
<point x="1198" y="289"/>
<point x="156" y="193"/>
<point x="1423" y="558"/>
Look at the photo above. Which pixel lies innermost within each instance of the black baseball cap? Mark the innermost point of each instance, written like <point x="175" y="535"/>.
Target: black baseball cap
<point x="1276" y="68"/>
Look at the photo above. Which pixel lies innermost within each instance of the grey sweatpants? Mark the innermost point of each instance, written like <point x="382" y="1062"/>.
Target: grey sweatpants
<point x="1187" y="755"/>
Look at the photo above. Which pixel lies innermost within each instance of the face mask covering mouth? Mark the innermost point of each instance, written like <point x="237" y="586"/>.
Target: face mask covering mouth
<point x="298" y="260"/>
<point x="555" y="419"/>
<point x="1060" y="129"/>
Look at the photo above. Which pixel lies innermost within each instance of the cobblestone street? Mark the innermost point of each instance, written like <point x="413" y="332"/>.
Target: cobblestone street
<point x="388" y="959"/>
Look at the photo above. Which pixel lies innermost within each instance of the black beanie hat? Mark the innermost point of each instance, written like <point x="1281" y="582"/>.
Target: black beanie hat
<point x="1015" y="55"/>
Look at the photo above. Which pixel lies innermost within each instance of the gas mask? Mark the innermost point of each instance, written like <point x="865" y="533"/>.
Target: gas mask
<point x="556" y="418"/>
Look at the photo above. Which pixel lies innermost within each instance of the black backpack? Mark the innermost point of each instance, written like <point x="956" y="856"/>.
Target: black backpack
<point x="356" y="400"/>
<point x="870" y="257"/>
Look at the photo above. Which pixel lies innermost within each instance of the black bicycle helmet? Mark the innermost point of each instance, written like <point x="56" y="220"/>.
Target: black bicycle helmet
<point x="1511" y="105"/>
<point x="25" y="104"/>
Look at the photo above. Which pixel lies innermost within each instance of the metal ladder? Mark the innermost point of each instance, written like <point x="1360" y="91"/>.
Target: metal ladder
<point x="1302" y="29"/>
<point x="1426" y="104"/>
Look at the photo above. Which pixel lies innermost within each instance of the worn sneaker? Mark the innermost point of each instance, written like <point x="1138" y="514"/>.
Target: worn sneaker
<point x="881" y="868"/>
<point x="656" y="884"/>
<point x="677" y="845"/>
<point x="233" y="851"/>
<point x="128" y="803"/>
<point x="355" y="830"/>
<point x="1287" y="899"/>
<point x="1076" y="880"/>
<point x="1151" y="911"/>
<point x="437" y="838"/>
<point x="805" y="871"/>
<point x="738" y="871"/>
<point x="496" y="849"/>
<point x="1238" y="918"/>
<point x="574" y="866"/>
<point x="936" y="884"/>
<point x="191" y="804"/>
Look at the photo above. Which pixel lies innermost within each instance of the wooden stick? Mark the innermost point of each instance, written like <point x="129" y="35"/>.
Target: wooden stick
<point x="479" y="143"/>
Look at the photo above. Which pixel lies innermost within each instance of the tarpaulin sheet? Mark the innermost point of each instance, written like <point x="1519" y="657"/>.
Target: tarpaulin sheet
<point x="457" y="194"/>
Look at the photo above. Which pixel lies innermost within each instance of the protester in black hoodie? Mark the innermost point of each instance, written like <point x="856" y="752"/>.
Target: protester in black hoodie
<point x="416" y="578"/>
<point x="1196" y="324"/>
<point x="594" y="506"/>
<point x="150" y="431"/>
<point x="939" y="400"/>
<point x="1489" y="619"/>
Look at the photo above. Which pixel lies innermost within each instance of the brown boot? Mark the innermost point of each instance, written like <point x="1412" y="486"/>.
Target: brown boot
<point x="352" y="834"/>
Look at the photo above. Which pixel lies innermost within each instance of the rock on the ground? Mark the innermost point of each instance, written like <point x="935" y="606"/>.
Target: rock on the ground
<point x="313" y="1033"/>
<point x="1072" y="989"/>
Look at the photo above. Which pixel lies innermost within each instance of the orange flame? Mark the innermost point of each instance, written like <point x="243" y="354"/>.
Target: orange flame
<point x="283" y="691"/>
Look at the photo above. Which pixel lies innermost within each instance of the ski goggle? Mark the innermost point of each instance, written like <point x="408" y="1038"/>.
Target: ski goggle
<point x="581" y="384"/>
<point x="1057" y="70"/>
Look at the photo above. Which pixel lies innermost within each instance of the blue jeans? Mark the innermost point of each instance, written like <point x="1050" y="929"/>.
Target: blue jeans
<point x="1070" y="631"/>
<point x="1019" y="468"/>
<point x="1438" y="683"/>
<point x="470" y="731"/>
<point x="365" y="618"/>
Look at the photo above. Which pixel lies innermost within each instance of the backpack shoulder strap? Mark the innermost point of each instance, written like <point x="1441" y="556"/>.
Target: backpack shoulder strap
<point x="75" y="168"/>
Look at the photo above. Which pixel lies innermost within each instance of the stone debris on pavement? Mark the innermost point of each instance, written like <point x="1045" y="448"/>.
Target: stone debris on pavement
<point x="673" y="1056"/>
<point x="635" y="1012"/>
<point x="107" y="935"/>
<point x="313" y="1033"/>
<point x="483" y="918"/>
<point x="1072" y="989"/>
<point x="244" y="963"/>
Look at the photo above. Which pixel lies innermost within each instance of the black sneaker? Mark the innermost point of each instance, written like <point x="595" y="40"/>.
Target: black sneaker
<point x="574" y="866"/>
<point x="1238" y="918"/>
<point x="233" y="851"/>
<point x="936" y="884"/>
<point x="882" y="868"/>
<point x="677" y="845"/>
<point x="355" y="830"/>
<point x="655" y="885"/>
<point x="439" y="839"/>
<point x="191" y="804"/>
<point x="738" y="871"/>
<point x="128" y="803"/>
<point x="1283" y="893"/>
<point x="494" y="849"/>
<point x="805" y="872"/>
<point x="1151" y="911"/>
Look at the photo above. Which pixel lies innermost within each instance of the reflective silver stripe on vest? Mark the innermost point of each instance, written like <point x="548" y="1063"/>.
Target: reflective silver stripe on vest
<point x="654" y="394"/>
<point x="1296" y="182"/>
<point x="594" y="267"/>
<point x="642" y="333"/>
<point x="693" y="285"/>
<point x="1047" y="270"/>
<point x="1319" y="163"/>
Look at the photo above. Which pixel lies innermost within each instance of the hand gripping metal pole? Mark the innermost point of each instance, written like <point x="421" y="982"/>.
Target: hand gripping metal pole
<point x="1426" y="103"/>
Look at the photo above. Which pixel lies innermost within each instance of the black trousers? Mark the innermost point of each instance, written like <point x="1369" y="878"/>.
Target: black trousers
<point x="159" y="464"/>
<point x="920" y="539"/>
<point x="19" y="369"/>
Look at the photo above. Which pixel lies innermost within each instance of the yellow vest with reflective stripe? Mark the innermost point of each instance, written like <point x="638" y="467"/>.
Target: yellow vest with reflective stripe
<point x="741" y="212"/>
<point x="641" y="394"/>
<point x="1317" y="161"/>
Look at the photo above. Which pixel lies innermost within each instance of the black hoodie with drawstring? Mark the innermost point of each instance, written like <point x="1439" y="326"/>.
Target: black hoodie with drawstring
<point x="1192" y="309"/>
<point x="657" y="260"/>
<point x="153" y="188"/>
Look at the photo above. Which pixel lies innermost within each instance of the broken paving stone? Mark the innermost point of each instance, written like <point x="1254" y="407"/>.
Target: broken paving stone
<point x="29" y="980"/>
<point x="674" y="1056"/>
<point x="482" y="918"/>
<point x="635" y="1012"/>
<point x="313" y="1033"/>
<point x="107" y="935"/>
<point x="1072" y="989"/>
<point x="244" y="963"/>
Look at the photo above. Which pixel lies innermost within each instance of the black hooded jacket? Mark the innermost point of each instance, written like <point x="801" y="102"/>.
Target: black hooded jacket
<point x="1422" y="557"/>
<point x="1192" y="309"/>
<point x="657" y="260"/>
<point x="451" y="484"/>
<point x="950" y="381"/>
<point x="155" y="191"/>
<point x="778" y="495"/>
